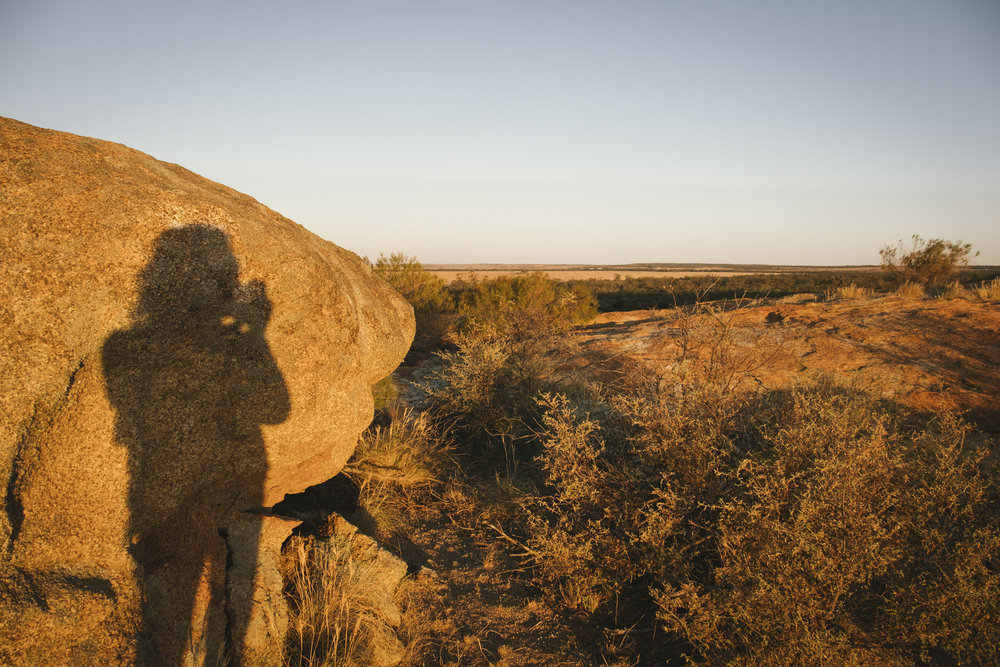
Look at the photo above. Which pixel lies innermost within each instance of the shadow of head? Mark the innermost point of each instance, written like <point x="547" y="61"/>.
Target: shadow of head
<point x="192" y="272"/>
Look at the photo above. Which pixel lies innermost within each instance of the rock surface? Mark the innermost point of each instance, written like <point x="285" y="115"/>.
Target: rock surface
<point x="174" y="356"/>
<point x="929" y="354"/>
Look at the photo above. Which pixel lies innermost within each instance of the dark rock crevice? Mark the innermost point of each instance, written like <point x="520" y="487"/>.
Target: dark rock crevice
<point x="12" y="505"/>
<point x="227" y="637"/>
<point x="319" y="506"/>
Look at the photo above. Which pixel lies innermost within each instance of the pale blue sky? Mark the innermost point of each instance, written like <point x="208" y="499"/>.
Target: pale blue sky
<point x="791" y="131"/>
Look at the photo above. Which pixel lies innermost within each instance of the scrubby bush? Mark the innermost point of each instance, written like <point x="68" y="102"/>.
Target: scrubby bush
<point x="525" y="306"/>
<point x="487" y="392"/>
<point x="520" y="307"/>
<point x="509" y="349"/>
<point x="928" y="263"/>
<point x="818" y="525"/>
<point x="433" y="305"/>
<point x="805" y="526"/>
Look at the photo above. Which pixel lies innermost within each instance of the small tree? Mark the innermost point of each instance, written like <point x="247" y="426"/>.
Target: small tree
<point x="926" y="262"/>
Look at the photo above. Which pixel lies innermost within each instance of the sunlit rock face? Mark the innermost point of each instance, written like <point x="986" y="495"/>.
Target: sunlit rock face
<point x="174" y="357"/>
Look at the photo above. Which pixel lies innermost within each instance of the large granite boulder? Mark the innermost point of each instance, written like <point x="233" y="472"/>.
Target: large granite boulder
<point x="174" y="359"/>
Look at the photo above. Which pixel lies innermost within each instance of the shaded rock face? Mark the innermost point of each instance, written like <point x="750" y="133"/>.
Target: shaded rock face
<point x="174" y="357"/>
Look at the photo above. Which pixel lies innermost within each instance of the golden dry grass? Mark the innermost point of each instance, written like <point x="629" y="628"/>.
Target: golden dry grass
<point x="851" y="291"/>
<point x="988" y="291"/>
<point x="985" y="291"/>
<point x="335" y="615"/>
<point x="911" y="290"/>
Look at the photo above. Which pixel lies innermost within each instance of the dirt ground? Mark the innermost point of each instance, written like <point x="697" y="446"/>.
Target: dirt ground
<point x="473" y="603"/>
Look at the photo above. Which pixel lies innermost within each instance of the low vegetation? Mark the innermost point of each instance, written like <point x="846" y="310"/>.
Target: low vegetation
<point x="334" y="617"/>
<point x="433" y="305"/>
<point x="647" y="293"/>
<point x="689" y="512"/>
<point x="810" y="526"/>
<point x="911" y="290"/>
<point x="851" y="291"/>
<point x="525" y="306"/>
<point x="986" y="291"/>
<point x="817" y="525"/>
<point x="396" y="463"/>
<point x="530" y="302"/>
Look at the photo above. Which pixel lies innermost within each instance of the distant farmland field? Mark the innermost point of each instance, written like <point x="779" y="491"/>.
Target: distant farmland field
<point x="451" y="272"/>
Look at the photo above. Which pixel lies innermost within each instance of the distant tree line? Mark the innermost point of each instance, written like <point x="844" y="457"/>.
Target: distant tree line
<point x="647" y="293"/>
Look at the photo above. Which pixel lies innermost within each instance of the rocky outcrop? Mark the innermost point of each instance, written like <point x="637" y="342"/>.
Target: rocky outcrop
<point x="174" y="359"/>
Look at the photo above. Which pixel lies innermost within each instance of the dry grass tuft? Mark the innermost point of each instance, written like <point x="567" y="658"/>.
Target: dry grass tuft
<point x="955" y="290"/>
<point x="393" y="463"/>
<point x="851" y="291"/>
<point x="988" y="291"/>
<point x="911" y="290"/>
<point x="335" y="618"/>
<point x="797" y="298"/>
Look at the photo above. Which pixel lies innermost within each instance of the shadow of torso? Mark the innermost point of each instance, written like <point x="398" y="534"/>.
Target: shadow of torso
<point x="191" y="382"/>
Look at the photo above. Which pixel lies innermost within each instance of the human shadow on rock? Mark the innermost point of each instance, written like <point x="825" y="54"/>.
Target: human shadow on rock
<point x="191" y="380"/>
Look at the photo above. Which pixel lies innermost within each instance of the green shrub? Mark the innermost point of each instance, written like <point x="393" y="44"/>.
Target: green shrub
<point x="385" y="393"/>
<point x="527" y="306"/>
<point x="433" y="305"/>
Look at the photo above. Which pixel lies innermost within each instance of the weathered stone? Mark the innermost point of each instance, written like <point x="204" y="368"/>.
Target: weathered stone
<point x="173" y="357"/>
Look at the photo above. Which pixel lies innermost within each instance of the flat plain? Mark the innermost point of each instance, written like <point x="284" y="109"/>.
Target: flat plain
<point x="563" y="272"/>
